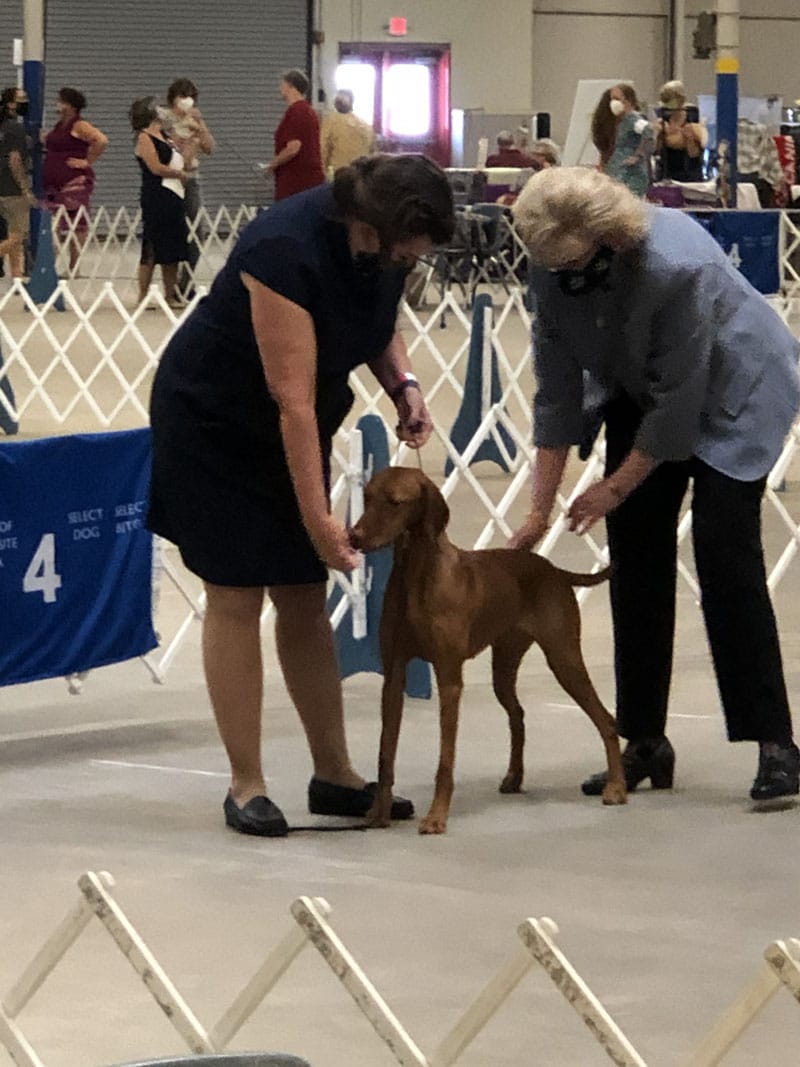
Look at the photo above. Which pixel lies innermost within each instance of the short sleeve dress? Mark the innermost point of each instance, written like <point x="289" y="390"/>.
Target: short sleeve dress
<point x="220" y="488"/>
<point x="634" y="141"/>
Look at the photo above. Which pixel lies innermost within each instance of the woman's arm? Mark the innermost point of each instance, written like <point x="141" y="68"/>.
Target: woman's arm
<point x="287" y="343"/>
<point x="548" y="470"/>
<point x="146" y="151"/>
<point x="393" y="370"/>
<point x="204" y="136"/>
<point x="98" y="142"/>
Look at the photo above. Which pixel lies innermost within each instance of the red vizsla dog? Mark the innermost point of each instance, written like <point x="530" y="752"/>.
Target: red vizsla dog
<point x="446" y="605"/>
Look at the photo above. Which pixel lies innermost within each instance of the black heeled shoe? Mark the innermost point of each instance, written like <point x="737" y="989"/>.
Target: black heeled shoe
<point x="653" y="758"/>
<point x="778" y="772"/>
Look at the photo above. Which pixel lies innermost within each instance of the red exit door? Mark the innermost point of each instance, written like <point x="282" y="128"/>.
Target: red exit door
<point x="404" y="91"/>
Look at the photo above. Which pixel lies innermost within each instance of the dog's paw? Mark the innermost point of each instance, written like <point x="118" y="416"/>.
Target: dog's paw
<point x="377" y="821"/>
<point x="615" y="793"/>
<point x="512" y="783"/>
<point x="433" y="824"/>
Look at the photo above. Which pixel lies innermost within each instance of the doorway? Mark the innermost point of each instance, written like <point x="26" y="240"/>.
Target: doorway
<point x="403" y="91"/>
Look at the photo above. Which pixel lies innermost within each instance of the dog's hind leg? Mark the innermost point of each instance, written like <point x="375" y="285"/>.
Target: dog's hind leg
<point x="570" y="670"/>
<point x="507" y="655"/>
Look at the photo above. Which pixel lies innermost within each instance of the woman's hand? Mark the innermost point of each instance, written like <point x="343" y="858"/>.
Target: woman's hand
<point x="415" y="425"/>
<point x="531" y="532"/>
<point x="332" y="541"/>
<point x="75" y="163"/>
<point x="593" y="505"/>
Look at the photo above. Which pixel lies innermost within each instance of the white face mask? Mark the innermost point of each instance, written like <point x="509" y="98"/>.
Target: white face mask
<point x="617" y="107"/>
<point x="185" y="103"/>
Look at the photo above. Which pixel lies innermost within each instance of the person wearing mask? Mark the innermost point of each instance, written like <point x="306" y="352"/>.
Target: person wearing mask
<point x="697" y="380"/>
<point x="185" y="126"/>
<point x="16" y="196"/>
<point x="161" y="198"/>
<point x="72" y="148"/>
<point x="624" y="138"/>
<point x="297" y="163"/>
<point x="345" y="136"/>
<point x="246" y="400"/>
<point x="679" y="143"/>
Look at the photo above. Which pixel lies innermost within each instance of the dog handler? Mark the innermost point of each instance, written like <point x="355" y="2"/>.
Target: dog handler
<point x="643" y="323"/>
<point x="247" y="397"/>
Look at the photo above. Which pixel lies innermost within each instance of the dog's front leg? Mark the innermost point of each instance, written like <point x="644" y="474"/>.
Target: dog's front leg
<point x="450" y="683"/>
<point x="380" y="815"/>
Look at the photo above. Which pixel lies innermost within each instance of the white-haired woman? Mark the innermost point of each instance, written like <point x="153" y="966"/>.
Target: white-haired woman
<point x="697" y="379"/>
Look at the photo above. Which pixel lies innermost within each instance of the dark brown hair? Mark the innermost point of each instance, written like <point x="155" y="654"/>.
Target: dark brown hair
<point x="605" y="122"/>
<point x="73" y="97"/>
<point x="142" y="112"/>
<point x="402" y="196"/>
<point x="182" y="87"/>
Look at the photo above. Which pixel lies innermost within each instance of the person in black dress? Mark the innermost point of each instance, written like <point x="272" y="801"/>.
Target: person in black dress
<point x="245" y="403"/>
<point x="164" y="233"/>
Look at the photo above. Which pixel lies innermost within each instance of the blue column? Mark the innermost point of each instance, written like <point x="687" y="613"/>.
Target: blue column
<point x="33" y="81"/>
<point x="728" y="116"/>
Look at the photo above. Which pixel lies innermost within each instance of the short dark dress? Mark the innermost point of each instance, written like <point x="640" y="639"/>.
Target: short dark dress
<point x="220" y="488"/>
<point x="164" y="230"/>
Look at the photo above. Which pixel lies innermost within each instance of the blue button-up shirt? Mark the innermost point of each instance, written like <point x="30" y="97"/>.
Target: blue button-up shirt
<point x="677" y="328"/>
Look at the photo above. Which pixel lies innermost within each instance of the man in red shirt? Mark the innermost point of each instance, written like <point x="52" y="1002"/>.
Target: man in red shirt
<point x="297" y="164"/>
<point x="507" y="154"/>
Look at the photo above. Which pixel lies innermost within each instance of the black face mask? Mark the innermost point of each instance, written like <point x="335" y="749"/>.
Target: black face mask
<point x="22" y="108"/>
<point x="367" y="264"/>
<point x="592" y="276"/>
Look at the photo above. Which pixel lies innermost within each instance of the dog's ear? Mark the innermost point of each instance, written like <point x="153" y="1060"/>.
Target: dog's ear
<point x="435" y="512"/>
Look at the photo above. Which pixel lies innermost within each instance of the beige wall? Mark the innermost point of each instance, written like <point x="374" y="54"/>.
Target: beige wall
<point x="516" y="55"/>
<point x="490" y="43"/>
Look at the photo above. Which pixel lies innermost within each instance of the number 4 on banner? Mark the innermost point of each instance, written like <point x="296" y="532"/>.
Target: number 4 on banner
<point x="41" y="577"/>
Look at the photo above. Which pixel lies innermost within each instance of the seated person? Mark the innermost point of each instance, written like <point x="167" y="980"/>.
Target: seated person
<point x="545" y="153"/>
<point x="507" y="154"/>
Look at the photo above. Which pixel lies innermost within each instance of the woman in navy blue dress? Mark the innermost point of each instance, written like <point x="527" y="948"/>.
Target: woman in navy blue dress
<point x="245" y="403"/>
<point x="164" y="231"/>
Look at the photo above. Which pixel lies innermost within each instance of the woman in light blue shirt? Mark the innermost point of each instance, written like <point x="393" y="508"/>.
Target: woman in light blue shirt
<point x="641" y="317"/>
<point x="624" y="138"/>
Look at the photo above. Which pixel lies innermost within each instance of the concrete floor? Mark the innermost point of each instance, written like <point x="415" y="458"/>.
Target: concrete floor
<point x="664" y="906"/>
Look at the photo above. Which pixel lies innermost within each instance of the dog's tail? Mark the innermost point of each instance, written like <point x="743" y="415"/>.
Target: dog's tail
<point x="587" y="579"/>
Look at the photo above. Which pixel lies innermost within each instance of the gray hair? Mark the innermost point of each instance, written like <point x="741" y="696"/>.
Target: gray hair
<point x="297" y="79"/>
<point x="343" y="101"/>
<point x="505" y="139"/>
<point x="561" y="213"/>
<point x="547" y="148"/>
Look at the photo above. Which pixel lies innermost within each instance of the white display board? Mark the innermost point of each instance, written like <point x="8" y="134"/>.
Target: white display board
<point x="578" y="149"/>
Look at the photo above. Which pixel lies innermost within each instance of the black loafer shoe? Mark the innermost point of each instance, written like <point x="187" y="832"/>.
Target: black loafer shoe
<point x="259" y="816"/>
<point x="778" y="773"/>
<point x="654" y="759"/>
<point x="324" y="798"/>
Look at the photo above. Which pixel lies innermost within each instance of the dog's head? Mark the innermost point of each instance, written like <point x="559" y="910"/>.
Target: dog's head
<point x="399" y="500"/>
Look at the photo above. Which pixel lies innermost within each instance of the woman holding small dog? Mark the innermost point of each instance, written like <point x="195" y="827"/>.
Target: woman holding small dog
<point x="245" y="403"/>
<point x="643" y="323"/>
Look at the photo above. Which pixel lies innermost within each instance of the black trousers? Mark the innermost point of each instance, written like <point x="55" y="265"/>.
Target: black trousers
<point x="740" y="621"/>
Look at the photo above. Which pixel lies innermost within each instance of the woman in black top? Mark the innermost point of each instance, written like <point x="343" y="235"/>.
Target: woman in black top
<point x="247" y="398"/>
<point x="163" y="214"/>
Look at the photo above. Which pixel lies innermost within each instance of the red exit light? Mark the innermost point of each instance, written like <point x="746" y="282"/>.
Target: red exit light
<point x="398" y="27"/>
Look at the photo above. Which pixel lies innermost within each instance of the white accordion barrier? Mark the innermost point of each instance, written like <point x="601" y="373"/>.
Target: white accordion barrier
<point x="89" y="367"/>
